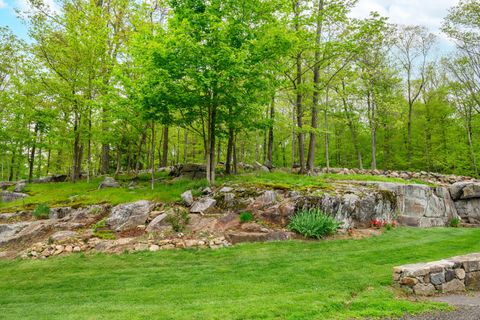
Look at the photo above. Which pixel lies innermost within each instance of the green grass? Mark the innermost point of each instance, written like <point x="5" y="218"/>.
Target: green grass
<point x="341" y="279"/>
<point x="84" y="193"/>
<point x="285" y="180"/>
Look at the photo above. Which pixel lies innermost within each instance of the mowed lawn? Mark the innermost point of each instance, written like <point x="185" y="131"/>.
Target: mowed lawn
<point x="340" y="279"/>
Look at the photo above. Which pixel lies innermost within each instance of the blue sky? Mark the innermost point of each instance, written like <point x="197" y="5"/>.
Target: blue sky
<point x="420" y="12"/>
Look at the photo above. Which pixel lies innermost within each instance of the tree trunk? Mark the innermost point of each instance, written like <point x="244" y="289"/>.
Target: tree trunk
<point x="165" y="147"/>
<point x="228" y="162"/>
<point x="32" y="154"/>
<point x="269" y="162"/>
<point x="316" y="81"/>
<point x="351" y="126"/>
<point x="153" y="155"/>
<point x="212" y="115"/>
<point x="77" y="149"/>
<point x="373" y="133"/>
<point x="327" y="136"/>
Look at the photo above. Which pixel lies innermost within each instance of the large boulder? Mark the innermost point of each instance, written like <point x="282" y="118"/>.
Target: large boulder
<point x="159" y="223"/>
<point x="51" y="179"/>
<point x="8" y="196"/>
<point x="203" y="205"/>
<point x="20" y="186"/>
<point x="192" y="171"/>
<point x="108" y="182"/>
<point x="130" y="215"/>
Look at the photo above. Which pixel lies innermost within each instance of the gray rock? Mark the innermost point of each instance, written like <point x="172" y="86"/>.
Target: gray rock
<point x="159" y="223"/>
<point x="469" y="210"/>
<point x="20" y="187"/>
<point x="437" y="278"/>
<point x="8" y="196"/>
<point x="260" y="167"/>
<point x="453" y="286"/>
<point x="472" y="280"/>
<point x="130" y="215"/>
<point x="187" y="198"/>
<point x="226" y="190"/>
<point x="456" y="190"/>
<point x="471" y="191"/>
<point x="203" y="205"/>
<point x="59" y="213"/>
<point x="422" y="289"/>
<point x="64" y="235"/>
<point x="108" y="182"/>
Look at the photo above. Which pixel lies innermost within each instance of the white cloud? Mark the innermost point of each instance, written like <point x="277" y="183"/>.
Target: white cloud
<point x="3" y="4"/>
<point x="25" y="6"/>
<point x="429" y="13"/>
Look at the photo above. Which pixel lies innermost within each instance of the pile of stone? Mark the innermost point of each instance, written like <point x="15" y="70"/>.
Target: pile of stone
<point x="445" y="276"/>
<point x="43" y="250"/>
<point x="431" y="177"/>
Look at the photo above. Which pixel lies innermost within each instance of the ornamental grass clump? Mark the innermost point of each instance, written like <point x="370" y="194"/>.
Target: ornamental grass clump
<point x="313" y="223"/>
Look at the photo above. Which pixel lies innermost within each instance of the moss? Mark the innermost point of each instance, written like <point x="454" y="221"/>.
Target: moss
<point x="388" y="195"/>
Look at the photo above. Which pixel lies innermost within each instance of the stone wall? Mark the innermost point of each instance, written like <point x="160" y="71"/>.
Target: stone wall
<point x="445" y="276"/>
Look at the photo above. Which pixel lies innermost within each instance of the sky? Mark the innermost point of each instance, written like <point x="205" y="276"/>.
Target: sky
<point x="419" y="12"/>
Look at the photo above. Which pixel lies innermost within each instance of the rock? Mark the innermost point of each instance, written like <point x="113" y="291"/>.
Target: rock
<point x="409" y="281"/>
<point x="449" y="275"/>
<point x="235" y="237"/>
<point x="154" y="248"/>
<point x="469" y="210"/>
<point x="108" y="182"/>
<point x="187" y="198"/>
<point x="260" y="167"/>
<point x="20" y="187"/>
<point x="199" y="223"/>
<point x="191" y="171"/>
<point x="437" y="278"/>
<point x="51" y="179"/>
<point x="77" y="249"/>
<point x="9" y="230"/>
<point x="421" y="289"/>
<point x="471" y="191"/>
<point x="141" y="247"/>
<point x="203" y="205"/>
<point x="59" y="213"/>
<point x="253" y="227"/>
<point x="63" y="235"/>
<point x="159" y="223"/>
<point x="280" y="214"/>
<point x="269" y="197"/>
<point x="453" y="286"/>
<point x="225" y="190"/>
<point x="229" y="221"/>
<point x="207" y="190"/>
<point x="8" y="196"/>
<point x="460" y="274"/>
<point x="472" y="280"/>
<point x="130" y="215"/>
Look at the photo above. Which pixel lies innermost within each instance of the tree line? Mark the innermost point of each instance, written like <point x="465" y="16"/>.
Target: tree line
<point x="110" y="86"/>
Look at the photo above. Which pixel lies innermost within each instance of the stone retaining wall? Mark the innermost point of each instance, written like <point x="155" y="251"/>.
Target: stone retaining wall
<point x="445" y="276"/>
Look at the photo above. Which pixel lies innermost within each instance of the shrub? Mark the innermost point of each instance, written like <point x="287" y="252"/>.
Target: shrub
<point x="313" y="223"/>
<point x="455" y="222"/>
<point x="100" y="230"/>
<point x="246" y="217"/>
<point x="42" y="211"/>
<point x="178" y="219"/>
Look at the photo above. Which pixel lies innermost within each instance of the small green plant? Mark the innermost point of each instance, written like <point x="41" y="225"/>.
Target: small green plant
<point x="313" y="223"/>
<point x="42" y="211"/>
<point x="178" y="219"/>
<point x="455" y="222"/>
<point x="246" y="217"/>
<point x="101" y="231"/>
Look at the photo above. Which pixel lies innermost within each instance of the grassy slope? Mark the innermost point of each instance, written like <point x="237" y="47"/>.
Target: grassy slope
<point x="337" y="279"/>
<point x="83" y="193"/>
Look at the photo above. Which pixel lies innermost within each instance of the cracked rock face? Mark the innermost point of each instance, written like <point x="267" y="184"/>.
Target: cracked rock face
<point x="130" y="215"/>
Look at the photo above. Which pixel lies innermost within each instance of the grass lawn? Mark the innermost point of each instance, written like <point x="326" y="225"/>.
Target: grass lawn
<point x="166" y="190"/>
<point x="340" y="279"/>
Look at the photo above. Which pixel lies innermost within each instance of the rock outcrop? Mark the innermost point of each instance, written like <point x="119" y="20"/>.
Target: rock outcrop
<point x="8" y="196"/>
<point x="130" y="215"/>
<point x="192" y="171"/>
<point x="466" y="196"/>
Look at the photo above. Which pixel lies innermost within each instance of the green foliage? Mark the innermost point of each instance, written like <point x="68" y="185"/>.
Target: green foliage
<point x="455" y="222"/>
<point x="178" y="219"/>
<point x="246" y="217"/>
<point x="313" y="223"/>
<point x="42" y="211"/>
<point x="101" y="231"/>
